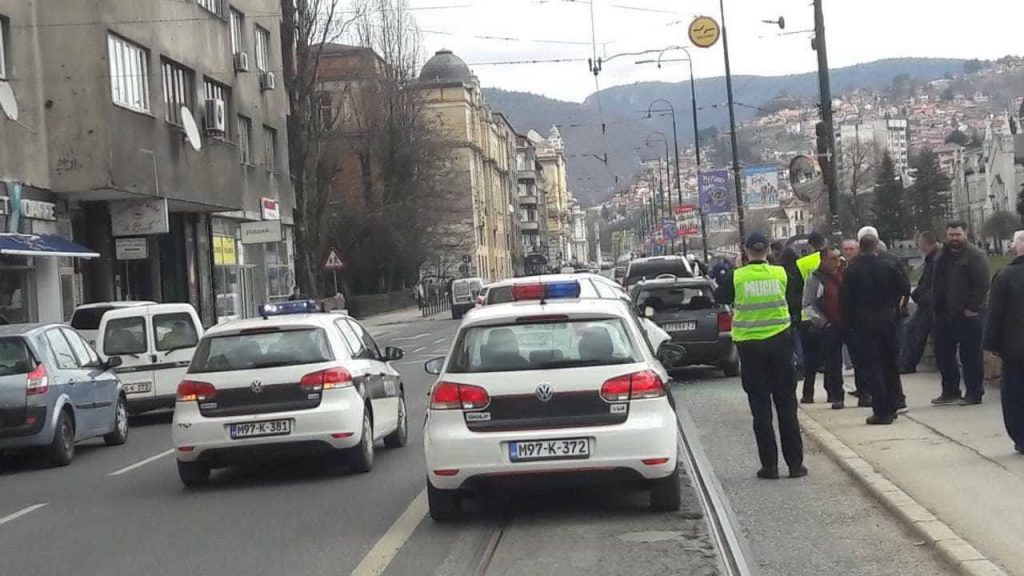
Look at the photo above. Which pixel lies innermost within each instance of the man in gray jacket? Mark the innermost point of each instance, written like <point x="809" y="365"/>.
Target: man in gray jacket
<point x="1004" y="337"/>
<point x="960" y="290"/>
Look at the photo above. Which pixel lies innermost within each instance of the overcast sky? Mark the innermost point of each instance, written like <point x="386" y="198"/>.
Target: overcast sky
<point x="858" y="31"/>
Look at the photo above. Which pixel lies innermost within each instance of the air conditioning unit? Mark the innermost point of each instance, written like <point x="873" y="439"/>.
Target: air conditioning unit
<point x="268" y="81"/>
<point x="241" y="62"/>
<point x="216" y="117"/>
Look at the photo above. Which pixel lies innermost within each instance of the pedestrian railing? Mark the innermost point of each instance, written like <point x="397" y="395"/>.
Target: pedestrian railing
<point x="434" y="304"/>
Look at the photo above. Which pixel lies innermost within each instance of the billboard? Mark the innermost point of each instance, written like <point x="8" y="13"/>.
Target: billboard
<point x="688" y="220"/>
<point x="761" y="186"/>
<point x="714" y="192"/>
<point x="722" y="222"/>
<point x="668" y="228"/>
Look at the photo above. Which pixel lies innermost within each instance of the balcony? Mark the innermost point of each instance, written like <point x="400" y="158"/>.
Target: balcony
<point x="529" y="200"/>
<point x="526" y="174"/>
<point x="529" y="226"/>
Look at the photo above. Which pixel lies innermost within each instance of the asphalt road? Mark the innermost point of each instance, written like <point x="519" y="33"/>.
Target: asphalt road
<point x="122" y="510"/>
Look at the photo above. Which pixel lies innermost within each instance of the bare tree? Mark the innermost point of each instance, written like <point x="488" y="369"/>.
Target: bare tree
<point x="857" y="162"/>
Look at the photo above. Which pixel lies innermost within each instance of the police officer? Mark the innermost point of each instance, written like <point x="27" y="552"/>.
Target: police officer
<point x="761" y="329"/>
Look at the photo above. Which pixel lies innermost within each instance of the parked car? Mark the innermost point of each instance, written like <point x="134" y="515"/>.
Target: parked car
<point x="463" y="295"/>
<point x="654" y="266"/>
<point x="56" y="391"/>
<point x="685" y="308"/>
<point x="86" y="318"/>
<point x="156" y="343"/>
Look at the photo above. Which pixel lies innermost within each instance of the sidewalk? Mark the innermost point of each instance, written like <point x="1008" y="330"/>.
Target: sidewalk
<point x="955" y="461"/>
<point x="403" y="316"/>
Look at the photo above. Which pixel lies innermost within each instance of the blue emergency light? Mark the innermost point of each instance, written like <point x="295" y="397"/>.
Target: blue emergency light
<point x="546" y="291"/>
<point x="290" y="307"/>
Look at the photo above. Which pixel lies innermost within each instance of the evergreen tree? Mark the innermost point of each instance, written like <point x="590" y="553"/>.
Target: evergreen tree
<point x="928" y="199"/>
<point x="890" y="205"/>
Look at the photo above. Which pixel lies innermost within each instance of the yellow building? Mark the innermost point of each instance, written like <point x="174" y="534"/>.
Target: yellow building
<point x="551" y="156"/>
<point x="481" y="238"/>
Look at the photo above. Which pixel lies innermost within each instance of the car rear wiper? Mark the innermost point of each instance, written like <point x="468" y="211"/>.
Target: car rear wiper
<point x="583" y="363"/>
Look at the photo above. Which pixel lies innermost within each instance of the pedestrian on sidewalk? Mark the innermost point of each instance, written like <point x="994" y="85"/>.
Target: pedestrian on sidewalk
<point x="809" y="341"/>
<point x="871" y="293"/>
<point x="824" y="309"/>
<point x="960" y="289"/>
<point x="795" y="301"/>
<point x="762" y="331"/>
<point x="1004" y="337"/>
<point x="919" y="328"/>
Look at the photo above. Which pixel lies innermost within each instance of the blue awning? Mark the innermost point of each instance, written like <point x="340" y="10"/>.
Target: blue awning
<point x="42" y="245"/>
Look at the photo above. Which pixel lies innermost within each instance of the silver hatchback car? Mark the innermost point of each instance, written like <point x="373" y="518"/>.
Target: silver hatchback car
<point x="55" y="391"/>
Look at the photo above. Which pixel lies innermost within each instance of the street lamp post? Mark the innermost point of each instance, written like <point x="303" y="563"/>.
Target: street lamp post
<point x="668" y="177"/>
<point x="732" y="128"/>
<point x="825" y="90"/>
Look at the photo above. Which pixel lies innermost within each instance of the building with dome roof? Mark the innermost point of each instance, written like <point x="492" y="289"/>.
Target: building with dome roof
<point x="482" y="237"/>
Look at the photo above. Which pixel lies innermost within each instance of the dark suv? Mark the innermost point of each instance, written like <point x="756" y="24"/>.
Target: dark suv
<point x="686" y="309"/>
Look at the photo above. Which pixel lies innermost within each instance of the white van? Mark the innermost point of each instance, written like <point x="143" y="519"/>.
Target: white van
<point x="87" y="317"/>
<point x="155" y="343"/>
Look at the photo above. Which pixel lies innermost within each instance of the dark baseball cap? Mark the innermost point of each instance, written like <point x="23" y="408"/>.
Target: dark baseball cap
<point x="816" y="239"/>
<point x="757" y="241"/>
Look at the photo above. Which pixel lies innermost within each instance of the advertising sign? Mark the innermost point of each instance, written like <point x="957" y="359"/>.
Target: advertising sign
<point x="714" y="192"/>
<point x="688" y="220"/>
<point x="131" y="248"/>
<point x="721" y="222"/>
<point x="261" y="232"/>
<point x="761" y="186"/>
<point x="139" y="217"/>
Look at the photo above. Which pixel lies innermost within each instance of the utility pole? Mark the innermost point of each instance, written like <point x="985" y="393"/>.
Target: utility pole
<point x="732" y="128"/>
<point x="825" y="89"/>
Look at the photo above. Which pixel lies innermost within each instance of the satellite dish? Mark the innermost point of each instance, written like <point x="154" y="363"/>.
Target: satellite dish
<point x="805" y="178"/>
<point x="191" y="128"/>
<point x="8" y="103"/>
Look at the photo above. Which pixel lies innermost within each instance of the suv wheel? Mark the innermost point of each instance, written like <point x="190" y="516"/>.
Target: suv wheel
<point x="193" y="474"/>
<point x="119" y="435"/>
<point x="62" y="449"/>
<point x="400" y="436"/>
<point x="445" y="505"/>
<point x="665" y="493"/>
<point x="360" y="457"/>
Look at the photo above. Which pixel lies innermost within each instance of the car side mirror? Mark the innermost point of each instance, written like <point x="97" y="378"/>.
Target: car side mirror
<point x="113" y="362"/>
<point x="434" y="365"/>
<point x="648" y="312"/>
<point x="671" y="354"/>
<point x="392" y="353"/>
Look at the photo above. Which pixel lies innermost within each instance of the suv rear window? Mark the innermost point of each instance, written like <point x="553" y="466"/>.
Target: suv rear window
<point x="89" y="318"/>
<point x="676" y="298"/>
<point x="265" y="348"/>
<point x="653" y="268"/>
<point x="15" y="357"/>
<point x="542" y="346"/>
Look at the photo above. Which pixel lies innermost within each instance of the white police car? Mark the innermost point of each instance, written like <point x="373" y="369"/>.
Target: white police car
<point x="549" y="388"/>
<point x="292" y="382"/>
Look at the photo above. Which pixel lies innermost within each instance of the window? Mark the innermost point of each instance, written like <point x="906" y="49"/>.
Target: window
<point x="370" y="349"/>
<point x="174" y="332"/>
<point x="5" y="31"/>
<point x="213" y="90"/>
<point x="129" y="74"/>
<point x="15" y="357"/>
<point x="354" y="344"/>
<point x="85" y="354"/>
<point x="245" y="139"/>
<point x="61" y="350"/>
<point x="213" y="6"/>
<point x="261" y="348"/>
<point x="279" y="275"/>
<point x="89" y="318"/>
<point x="125" y="336"/>
<point x="179" y="90"/>
<point x="237" y="40"/>
<point x="270" y="148"/>
<point x="262" y="49"/>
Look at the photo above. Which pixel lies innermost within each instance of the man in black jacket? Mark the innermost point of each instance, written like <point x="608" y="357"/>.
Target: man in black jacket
<point x="871" y="294"/>
<point x="1004" y="336"/>
<point x="919" y="327"/>
<point x="960" y="289"/>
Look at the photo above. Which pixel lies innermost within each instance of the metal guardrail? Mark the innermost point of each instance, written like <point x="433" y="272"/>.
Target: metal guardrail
<point x="434" y="304"/>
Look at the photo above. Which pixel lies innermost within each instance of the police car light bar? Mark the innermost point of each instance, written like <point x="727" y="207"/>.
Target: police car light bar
<point x="550" y="291"/>
<point x="290" y="307"/>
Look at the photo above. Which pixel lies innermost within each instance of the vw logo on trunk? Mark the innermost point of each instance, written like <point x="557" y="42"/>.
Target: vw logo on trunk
<point x="544" y="392"/>
<point x="256" y="386"/>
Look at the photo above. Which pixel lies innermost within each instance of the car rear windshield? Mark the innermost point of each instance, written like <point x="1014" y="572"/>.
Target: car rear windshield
<point x="543" y="345"/>
<point x="654" y="268"/>
<point x="265" y="348"/>
<point x="15" y="357"/>
<point x="676" y="298"/>
<point x="499" y="295"/>
<point x="89" y="318"/>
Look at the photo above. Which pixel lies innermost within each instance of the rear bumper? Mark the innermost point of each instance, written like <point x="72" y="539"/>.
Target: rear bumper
<point x="713" y="352"/>
<point x="31" y="431"/>
<point x="147" y="403"/>
<point x="617" y="451"/>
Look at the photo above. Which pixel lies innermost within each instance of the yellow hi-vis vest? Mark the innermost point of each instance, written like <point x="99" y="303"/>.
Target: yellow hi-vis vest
<point x="807" y="265"/>
<point x="760" y="308"/>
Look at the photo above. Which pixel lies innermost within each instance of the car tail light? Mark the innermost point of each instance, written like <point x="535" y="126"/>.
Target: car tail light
<point x="193" y="391"/>
<point x="447" y="472"/>
<point x="654" y="461"/>
<point x="326" y="380"/>
<point x="450" y="396"/>
<point x="725" y="321"/>
<point x="38" y="381"/>
<point x="635" y="386"/>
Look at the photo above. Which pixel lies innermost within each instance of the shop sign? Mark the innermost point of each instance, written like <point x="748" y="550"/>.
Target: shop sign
<point x="224" y="252"/>
<point x="139" y="217"/>
<point x="271" y="209"/>
<point x="131" y="248"/>
<point x="261" y="232"/>
<point x="31" y="209"/>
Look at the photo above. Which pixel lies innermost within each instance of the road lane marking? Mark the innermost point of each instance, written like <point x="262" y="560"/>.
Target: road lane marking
<point x="382" y="553"/>
<point x="141" y="463"/>
<point x="20" y="513"/>
<point x="416" y="337"/>
<point x="418" y="349"/>
<point x="439" y="340"/>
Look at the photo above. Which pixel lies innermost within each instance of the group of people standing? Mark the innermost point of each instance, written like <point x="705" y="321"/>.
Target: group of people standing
<point x="796" y="311"/>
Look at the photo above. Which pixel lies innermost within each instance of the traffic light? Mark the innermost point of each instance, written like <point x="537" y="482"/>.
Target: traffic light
<point x="825" y="154"/>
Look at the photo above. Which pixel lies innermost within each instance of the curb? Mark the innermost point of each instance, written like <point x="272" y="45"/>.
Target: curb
<point x="959" y="553"/>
